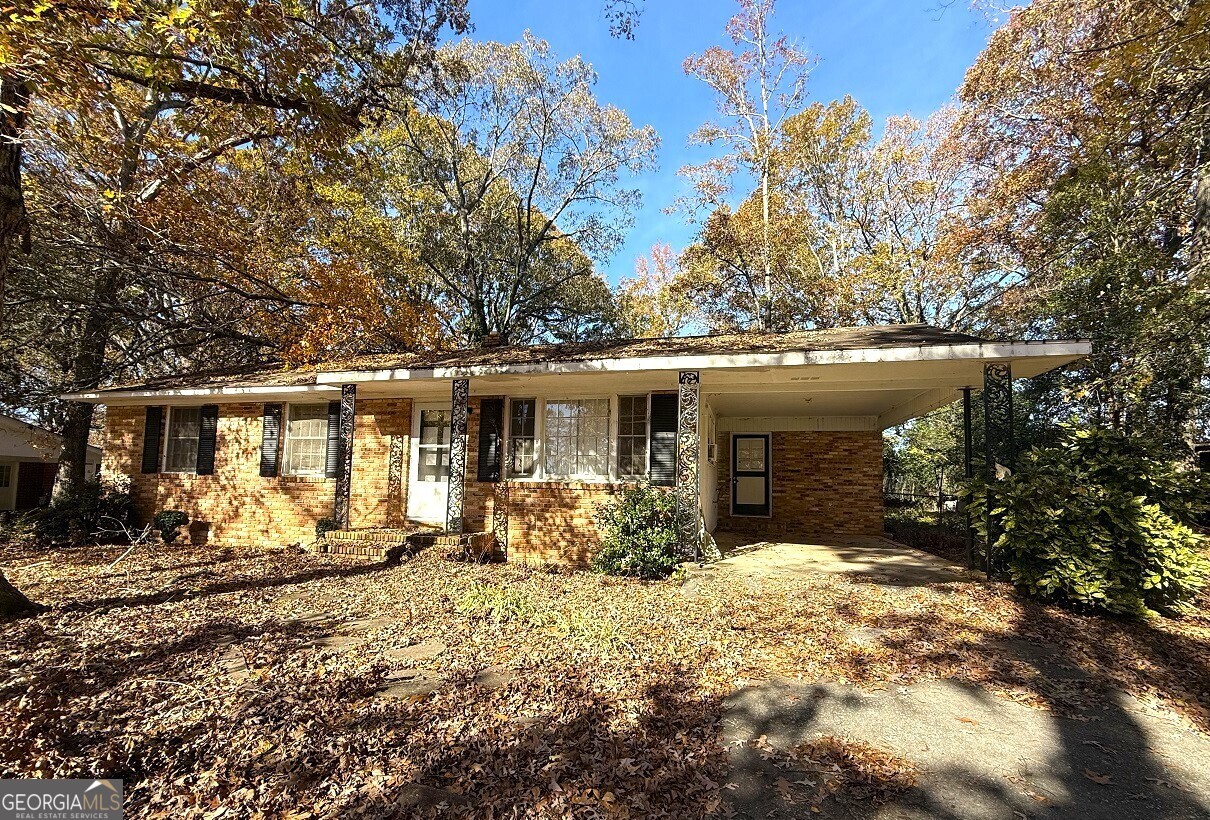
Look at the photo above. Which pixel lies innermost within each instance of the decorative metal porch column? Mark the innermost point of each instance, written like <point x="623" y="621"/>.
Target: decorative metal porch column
<point x="344" y="468"/>
<point x="688" y="524"/>
<point x="457" y="479"/>
<point x="997" y="443"/>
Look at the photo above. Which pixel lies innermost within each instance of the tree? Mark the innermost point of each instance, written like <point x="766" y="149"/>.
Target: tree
<point x="650" y="303"/>
<point x="756" y="89"/>
<point x="1091" y="123"/>
<point x="863" y="231"/>
<point x="510" y="186"/>
<point x="238" y="72"/>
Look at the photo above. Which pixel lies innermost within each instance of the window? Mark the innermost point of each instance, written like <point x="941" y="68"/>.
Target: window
<point x="433" y="451"/>
<point x="522" y="433"/>
<point x="576" y="438"/>
<point x="306" y="440"/>
<point x="6" y="476"/>
<point x="184" y="424"/>
<point x="632" y="436"/>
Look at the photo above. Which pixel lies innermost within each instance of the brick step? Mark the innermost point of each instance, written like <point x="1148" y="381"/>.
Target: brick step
<point x="391" y="545"/>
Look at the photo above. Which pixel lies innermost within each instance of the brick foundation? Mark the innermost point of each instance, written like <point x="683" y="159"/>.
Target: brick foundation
<point x="828" y="483"/>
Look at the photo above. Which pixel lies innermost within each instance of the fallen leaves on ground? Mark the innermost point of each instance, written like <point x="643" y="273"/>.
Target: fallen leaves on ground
<point x="210" y="680"/>
<point x="848" y="770"/>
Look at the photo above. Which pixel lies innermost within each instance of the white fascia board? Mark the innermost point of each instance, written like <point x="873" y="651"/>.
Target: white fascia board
<point x="118" y="397"/>
<point x="925" y="353"/>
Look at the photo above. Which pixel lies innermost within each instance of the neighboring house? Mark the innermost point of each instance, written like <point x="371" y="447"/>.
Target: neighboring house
<point x="29" y="458"/>
<point x="756" y="432"/>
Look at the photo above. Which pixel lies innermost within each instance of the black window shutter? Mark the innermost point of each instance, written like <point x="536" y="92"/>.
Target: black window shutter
<point x="663" y="439"/>
<point x="270" y="435"/>
<point x="332" y="470"/>
<point x="152" y="430"/>
<point x="491" y="429"/>
<point x="207" y="433"/>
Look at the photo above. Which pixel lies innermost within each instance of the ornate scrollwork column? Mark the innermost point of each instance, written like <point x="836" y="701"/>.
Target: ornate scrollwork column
<point x="457" y="479"/>
<point x="688" y="518"/>
<point x="344" y="469"/>
<point x="500" y="515"/>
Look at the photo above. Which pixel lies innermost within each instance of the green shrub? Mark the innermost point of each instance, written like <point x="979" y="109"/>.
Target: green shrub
<point x="638" y="533"/>
<point x="169" y="523"/>
<point x="324" y="526"/>
<point x="1099" y="522"/>
<point x="96" y="509"/>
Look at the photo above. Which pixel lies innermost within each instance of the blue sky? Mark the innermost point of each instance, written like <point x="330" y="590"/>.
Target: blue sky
<point x="892" y="56"/>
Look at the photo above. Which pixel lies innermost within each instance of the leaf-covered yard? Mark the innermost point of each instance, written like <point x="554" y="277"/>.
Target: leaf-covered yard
<point x="248" y="682"/>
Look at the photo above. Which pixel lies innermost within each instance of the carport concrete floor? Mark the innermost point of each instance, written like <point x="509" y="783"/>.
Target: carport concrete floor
<point x="870" y="558"/>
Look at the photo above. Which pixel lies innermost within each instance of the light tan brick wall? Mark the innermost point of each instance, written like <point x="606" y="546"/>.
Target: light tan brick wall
<point x="375" y="500"/>
<point x="242" y="507"/>
<point x="553" y="521"/>
<point x="823" y="482"/>
<point x="828" y="483"/>
<point x="239" y="505"/>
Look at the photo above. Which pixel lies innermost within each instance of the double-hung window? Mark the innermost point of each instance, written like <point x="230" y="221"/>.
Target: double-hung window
<point x="180" y="454"/>
<point x="306" y="451"/>
<point x="632" y="436"/>
<point x="575" y="440"/>
<point x="523" y="437"/>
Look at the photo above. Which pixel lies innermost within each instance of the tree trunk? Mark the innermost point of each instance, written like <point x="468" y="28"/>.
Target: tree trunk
<point x="88" y="367"/>
<point x="764" y="184"/>
<point x="14" y="222"/>
<point x="1199" y="245"/>
<point x="13" y="604"/>
<point x="14" y="228"/>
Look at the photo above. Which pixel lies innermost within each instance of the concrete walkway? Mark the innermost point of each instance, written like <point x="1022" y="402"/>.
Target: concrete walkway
<point x="878" y="560"/>
<point x="978" y="756"/>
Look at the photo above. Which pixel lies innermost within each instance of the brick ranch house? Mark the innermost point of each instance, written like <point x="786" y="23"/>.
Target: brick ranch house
<point x="778" y="433"/>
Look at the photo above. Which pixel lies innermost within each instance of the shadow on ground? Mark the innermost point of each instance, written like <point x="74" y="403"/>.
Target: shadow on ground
<point x="1094" y="752"/>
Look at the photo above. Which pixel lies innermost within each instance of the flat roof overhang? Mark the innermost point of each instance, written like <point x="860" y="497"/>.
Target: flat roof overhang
<point x="882" y="386"/>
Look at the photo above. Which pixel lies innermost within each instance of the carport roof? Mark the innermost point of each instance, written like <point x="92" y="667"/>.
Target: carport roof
<point x="878" y="343"/>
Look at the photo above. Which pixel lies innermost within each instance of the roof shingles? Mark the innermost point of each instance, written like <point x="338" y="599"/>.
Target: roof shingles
<point x="850" y="338"/>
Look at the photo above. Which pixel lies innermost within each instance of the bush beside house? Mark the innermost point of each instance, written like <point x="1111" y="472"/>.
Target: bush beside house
<point x="1100" y="522"/>
<point x="638" y="533"/>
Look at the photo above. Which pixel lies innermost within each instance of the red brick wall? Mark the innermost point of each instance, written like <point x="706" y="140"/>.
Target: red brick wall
<point x="828" y="483"/>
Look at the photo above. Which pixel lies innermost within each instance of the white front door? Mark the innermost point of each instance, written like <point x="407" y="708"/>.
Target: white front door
<point x="428" y="478"/>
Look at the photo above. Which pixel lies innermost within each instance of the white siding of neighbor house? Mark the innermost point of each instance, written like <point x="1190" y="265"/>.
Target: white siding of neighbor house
<point x="20" y="442"/>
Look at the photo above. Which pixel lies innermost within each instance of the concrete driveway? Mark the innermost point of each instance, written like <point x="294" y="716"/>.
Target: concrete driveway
<point x="867" y="558"/>
<point x="979" y="755"/>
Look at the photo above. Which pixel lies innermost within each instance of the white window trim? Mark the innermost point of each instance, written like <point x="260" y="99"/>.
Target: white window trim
<point x="284" y="439"/>
<point x="616" y="447"/>
<point x="167" y="441"/>
<point x="540" y="473"/>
